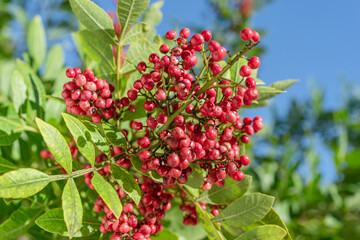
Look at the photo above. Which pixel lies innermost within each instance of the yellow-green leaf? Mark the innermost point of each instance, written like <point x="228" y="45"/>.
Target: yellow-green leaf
<point x="22" y="183"/>
<point x="127" y="182"/>
<point x="268" y="232"/>
<point x="72" y="207"/>
<point x="56" y="144"/>
<point x="107" y="193"/>
<point x="81" y="136"/>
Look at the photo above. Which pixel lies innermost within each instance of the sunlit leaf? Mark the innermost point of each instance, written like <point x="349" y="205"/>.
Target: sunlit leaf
<point x="127" y="182"/>
<point x="107" y="193"/>
<point x="56" y="144"/>
<point x="22" y="183"/>
<point x="73" y="210"/>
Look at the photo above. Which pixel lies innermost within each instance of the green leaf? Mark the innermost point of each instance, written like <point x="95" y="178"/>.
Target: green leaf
<point x="138" y="52"/>
<point x="71" y="205"/>
<point x="22" y="183"/>
<point x="153" y="15"/>
<point x="36" y="41"/>
<point x="54" y="63"/>
<point x="6" y="166"/>
<point x="98" y="137"/>
<point x="55" y="98"/>
<point x="246" y="210"/>
<point x="136" y="32"/>
<point x="81" y="136"/>
<point x="196" y="179"/>
<point x="283" y="85"/>
<point x="34" y="85"/>
<point x="212" y="229"/>
<point x="267" y="92"/>
<point x="107" y="193"/>
<point x="273" y="218"/>
<point x="115" y="136"/>
<point x="97" y="50"/>
<point x="53" y="221"/>
<point x="19" y="222"/>
<point x="129" y="12"/>
<point x="165" y="234"/>
<point x="127" y="182"/>
<point x="231" y="191"/>
<point x="268" y="232"/>
<point x="18" y="89"/>
<point x="56" y="144"/>
<point x="95" y="19"/>
<point x="10" y="130"/>
<point x="257" y="104"/>
<point x="136" y="163"/>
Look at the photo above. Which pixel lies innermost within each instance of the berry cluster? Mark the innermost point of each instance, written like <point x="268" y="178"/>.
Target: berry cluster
<point x="192" y="119"/>
<point x="144" y="221"/>
<point x="210" y="131"/>
<point x="86" y="94"/>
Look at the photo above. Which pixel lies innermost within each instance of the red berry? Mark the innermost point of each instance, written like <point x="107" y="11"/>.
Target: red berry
<point x="213" y="45"/>
<point x="238" y="175"/>
<point x="152" y="123"/>
<point x="141" y="67"/>
<point x="80" y="80"/>
<point x="197" y="39"/>
<point x="124" y="228"/>
<point x="173" y="160"/>
<point x="105" y="93"/>
<point x="250" y="82"/>
<point x="128" y="208"/>
<point x="246" y="34"/>
<point x="219" y="54"/>
<point x="144" y="155"/>
<point x="70" y="73"/>
<point x="245" y="160"/>
<point x="184" y="33"/>
<point x="254" y="62"/>
<point x="207" y="35"/>
<point x="160" y="95"/>
<point x="245" y="71"/>
<point x="245" y="139"/>
<point x="161" y="118"/>
<point x="96" y="118"/>
<point x="164" y="48"/>
<point x="256" y="36"/>
<point x="179" y="120"/>
<point x="77" y="71"/>
<point x="132" y="94"/>
<point x="99" y="103"/>
<point x="170" y="35"/>
<point x="215" y="212"/>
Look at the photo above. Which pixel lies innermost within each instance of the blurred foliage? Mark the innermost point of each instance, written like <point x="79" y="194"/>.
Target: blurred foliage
<point x="301" y="144"/>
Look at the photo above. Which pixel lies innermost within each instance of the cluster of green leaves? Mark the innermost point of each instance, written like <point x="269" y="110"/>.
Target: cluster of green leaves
<point x="25" y="182"/>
